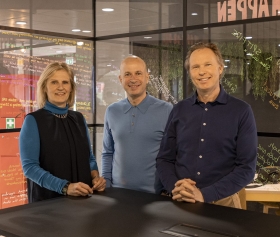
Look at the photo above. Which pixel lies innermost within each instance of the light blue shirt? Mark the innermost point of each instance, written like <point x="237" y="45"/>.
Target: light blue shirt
<point x="132" y="136"/>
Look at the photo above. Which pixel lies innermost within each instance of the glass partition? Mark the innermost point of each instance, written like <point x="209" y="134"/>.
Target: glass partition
<point x="71" y="17"/>
<point x="23" y="57"/>
<point x="12" y="181"/>
<point x="126" y="16"/>
<point x="163" y="54"/>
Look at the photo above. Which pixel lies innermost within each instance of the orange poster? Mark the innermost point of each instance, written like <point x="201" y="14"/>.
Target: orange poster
<point x="13" y="189"/>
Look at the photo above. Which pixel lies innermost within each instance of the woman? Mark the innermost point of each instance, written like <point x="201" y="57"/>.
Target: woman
<point x="54" y="141"/>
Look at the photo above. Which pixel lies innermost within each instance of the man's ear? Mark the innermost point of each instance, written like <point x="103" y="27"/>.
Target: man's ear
<point x="120" y="79"/>
<point x="221" y="69"/>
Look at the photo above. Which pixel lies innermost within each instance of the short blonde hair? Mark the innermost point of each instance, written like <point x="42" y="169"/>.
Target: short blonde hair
<point x="52" y="68"/>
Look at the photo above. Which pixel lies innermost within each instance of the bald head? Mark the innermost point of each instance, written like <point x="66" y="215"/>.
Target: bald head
<point x="134" y="78"/>
<point x="132" y="59"/>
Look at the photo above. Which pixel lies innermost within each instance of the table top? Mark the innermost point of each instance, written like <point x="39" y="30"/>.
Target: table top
<point x="128" y="213"/>
<point x="268" y="192"/>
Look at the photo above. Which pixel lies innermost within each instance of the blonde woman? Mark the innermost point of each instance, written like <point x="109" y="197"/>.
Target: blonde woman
<point x="54" y="141"/>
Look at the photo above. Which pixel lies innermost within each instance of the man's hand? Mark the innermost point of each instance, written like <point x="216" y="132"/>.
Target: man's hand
<point x="185" y="190"/>
<point x="78" y="189"/>
<point x="99" y="184"/>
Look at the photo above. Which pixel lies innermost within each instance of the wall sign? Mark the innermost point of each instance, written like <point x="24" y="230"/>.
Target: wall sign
<point x="228" y="10"/>
<point x="10" y="123"/>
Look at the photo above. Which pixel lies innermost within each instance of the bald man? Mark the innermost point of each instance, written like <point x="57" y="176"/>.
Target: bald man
<point x="133" y="129"/>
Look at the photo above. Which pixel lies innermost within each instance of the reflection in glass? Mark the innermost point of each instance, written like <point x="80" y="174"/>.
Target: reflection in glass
<point x="12" y="181"/>
<point x="51" y="15"/>
<point x="163" y="55"/>
<point x="134" y="16"/>
<point x="24" y="57"/>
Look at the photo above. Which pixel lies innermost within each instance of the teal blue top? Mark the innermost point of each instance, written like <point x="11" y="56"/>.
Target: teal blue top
<point x="29" y="145"/>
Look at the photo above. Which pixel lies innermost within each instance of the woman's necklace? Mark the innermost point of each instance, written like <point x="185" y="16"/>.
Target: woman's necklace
<point x="60" y="115"/>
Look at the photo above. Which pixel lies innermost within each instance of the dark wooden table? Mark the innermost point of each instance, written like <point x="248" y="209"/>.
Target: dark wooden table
<point x="127" y="213"/>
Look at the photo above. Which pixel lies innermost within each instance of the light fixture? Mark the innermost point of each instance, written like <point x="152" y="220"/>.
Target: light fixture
<point x="76" y="30"/>
<point x="20" y="22"/>
<point x="148" y="37"/>
<point x="86" y="31"/>
<point x="248" y="37"/>
<point x="205" y="28"/>
<point x="249" y="54"/>
<point x="80" y="43"/>
<point x="227" y="60"/>
<point x="279" y="45"/>
<point x="225" y="66"/>
<point x="194" y="14"/>
<point x="109" y="65"/>
<point x="58" y="51"/>
<point x="107" y="9"/>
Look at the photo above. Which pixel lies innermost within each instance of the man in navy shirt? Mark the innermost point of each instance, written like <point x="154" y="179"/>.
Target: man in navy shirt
<point x="209" y="149"/>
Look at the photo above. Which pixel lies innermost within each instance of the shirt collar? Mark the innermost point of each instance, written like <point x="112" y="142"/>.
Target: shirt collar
<point x="221" y="99"/>
<point x="55" y="109"/>
<point x="143" y="106"/>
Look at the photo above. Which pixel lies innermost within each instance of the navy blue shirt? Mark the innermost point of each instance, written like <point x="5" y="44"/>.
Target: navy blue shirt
<point x="214" y="144"/>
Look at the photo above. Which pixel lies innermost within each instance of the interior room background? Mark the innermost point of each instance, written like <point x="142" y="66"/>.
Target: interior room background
<point x="94" y="36"/>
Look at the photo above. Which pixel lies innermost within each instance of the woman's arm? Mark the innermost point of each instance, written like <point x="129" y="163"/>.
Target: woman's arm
<point x="29" y="145"/>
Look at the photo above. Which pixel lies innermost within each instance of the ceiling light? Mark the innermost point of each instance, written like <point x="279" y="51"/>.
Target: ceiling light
<point x="109" y="65"/>
<point x="249" y="54"/>
<point x="80" y="43"/>
<point x="194" y="14"/>
<point x="58" y="51"/>
<point x="225" y="66"/>
<point x="76" y="30"/>
<point x="279" y="45"/>
<point x="21" y="23"/>
<point x="148" y="37"/>
<point x="227" y="60"/>
<point x="248" y="37"/>
<point x="86" y="31"/>
<point x="205" y="28"/>
<point x="107" y="9"/>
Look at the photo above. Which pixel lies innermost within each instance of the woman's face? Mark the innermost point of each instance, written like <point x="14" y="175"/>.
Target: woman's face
<point x="58" y="88"/>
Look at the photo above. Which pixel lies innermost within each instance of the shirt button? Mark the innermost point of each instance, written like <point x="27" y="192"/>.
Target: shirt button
<point x="132" y="124"/>
<point x="133" y="115"/>
<point x="198" y="173"/>
<point x="200" y="156"/>
<point x="204" y="124"/>
<point x="202" y="140"/>
<point x="206" y="109"/>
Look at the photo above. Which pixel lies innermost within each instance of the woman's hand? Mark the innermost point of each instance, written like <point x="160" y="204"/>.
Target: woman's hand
<point x="99" y="184"/>
<point x="79" y="189"/>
